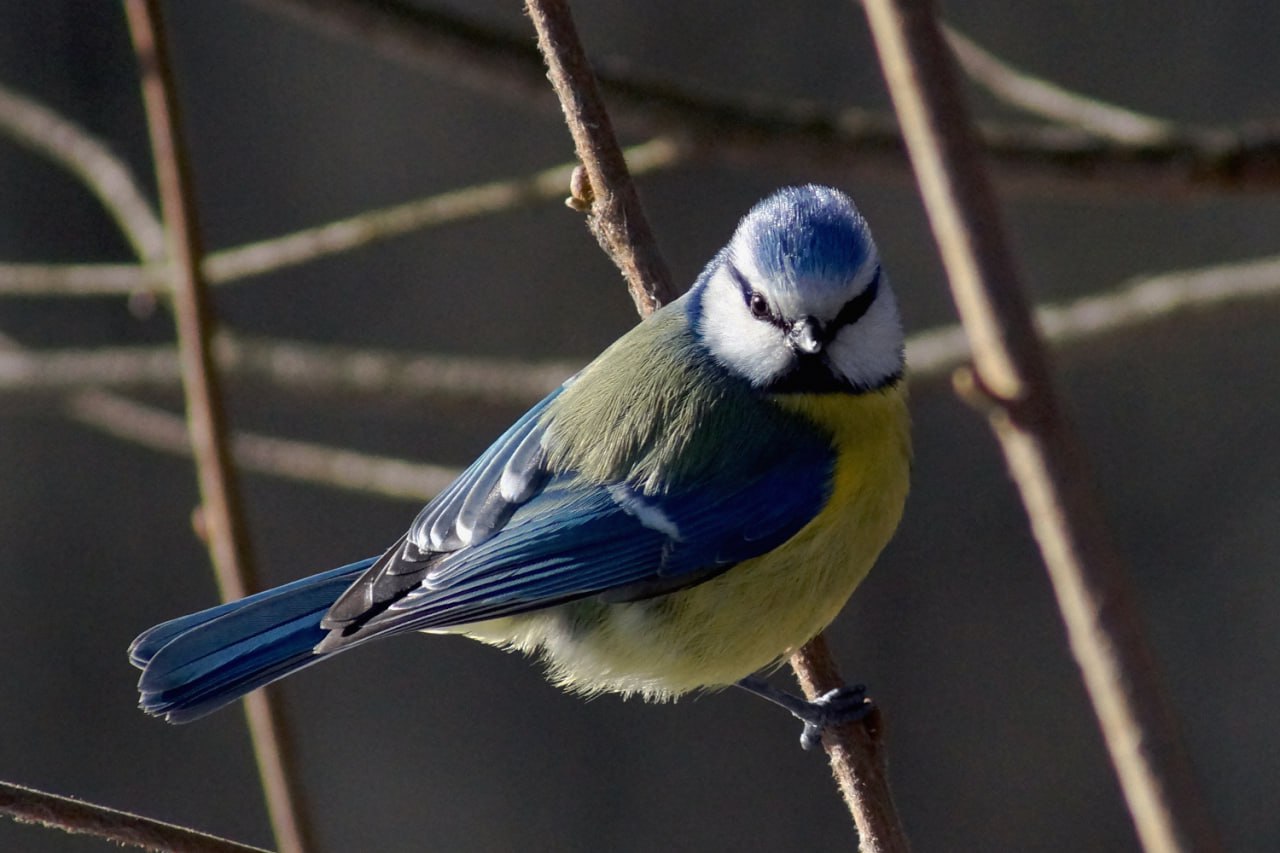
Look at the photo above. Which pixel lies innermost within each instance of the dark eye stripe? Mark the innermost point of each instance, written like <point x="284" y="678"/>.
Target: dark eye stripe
<point x="854" y="309"/>
<point x="743" y="285"/>
<point x="851" y="312"/>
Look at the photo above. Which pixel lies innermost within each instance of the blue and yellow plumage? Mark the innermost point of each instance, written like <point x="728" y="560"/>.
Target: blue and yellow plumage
<point x="690" y="508"/>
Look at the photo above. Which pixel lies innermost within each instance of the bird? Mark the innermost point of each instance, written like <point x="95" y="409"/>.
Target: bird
<point x="681" y="515"/>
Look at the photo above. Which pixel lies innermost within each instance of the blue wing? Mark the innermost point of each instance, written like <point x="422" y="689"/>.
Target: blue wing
<point x="198" y="663"/>
<point x="511" y="536"/>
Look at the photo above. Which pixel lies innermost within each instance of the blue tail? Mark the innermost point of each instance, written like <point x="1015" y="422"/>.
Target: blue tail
<point x="195" y="664"/>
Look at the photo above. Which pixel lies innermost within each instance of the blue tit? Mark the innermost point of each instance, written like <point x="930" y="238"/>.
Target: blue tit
<point x="686" y="511"/>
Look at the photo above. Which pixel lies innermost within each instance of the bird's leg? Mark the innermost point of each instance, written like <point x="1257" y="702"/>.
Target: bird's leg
<point x="842" y="705"/>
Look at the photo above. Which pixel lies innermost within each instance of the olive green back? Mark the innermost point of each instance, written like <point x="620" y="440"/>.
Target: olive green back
<point x="658" y="411"/>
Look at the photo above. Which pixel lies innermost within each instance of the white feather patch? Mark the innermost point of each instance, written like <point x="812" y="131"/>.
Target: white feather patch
<point x="754" y="350"/>
<point x="644" y="512"/>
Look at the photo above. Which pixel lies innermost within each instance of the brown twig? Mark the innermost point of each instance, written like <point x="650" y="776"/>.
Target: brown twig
<point x="455" y="206"/>
<point x="614" y="213"/>
<point x="857" y="756"/>
<point x="28" y="805"/>
<point x="814" y="137"/>
<point x="1049" y="100"/>
<point x="863" y="785"/>
<point x="220" y="503"/>
<point x="1043" y="455"/>
<point x="856" y="752"/>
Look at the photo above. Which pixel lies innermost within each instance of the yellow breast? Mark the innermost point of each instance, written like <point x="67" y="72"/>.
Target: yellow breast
<point x="762" y="609"/>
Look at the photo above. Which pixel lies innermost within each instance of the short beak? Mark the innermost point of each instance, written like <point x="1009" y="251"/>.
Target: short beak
<point x="806" y="336"/>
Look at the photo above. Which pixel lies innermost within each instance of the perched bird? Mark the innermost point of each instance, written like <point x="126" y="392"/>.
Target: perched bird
<point x="686" y="511"/>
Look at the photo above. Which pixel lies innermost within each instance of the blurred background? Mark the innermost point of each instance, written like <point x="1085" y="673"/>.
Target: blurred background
<point x="440" y="743"/>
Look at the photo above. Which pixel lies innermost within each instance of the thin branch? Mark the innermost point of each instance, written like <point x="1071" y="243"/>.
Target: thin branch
<point x="325" y="370"/>
<point x="102" y="172"/>
<point x="613" y="208"/>
<point x="24" y="370"/>
<point x="221" y="509"/>
<point x="387" y="374"/>
<point x="75" y="149"/>
<point x="290" y="365"/>
<point x="1137" y="302"/>
<point x="61" y="280"/>
<point x="1049" y="100"/>
<point x="456" y="206"/>
<point x="302" y="461"/>
<point x="813" y="137"/>
<point x="861" y="779"/>
<point x="931" y="354"/>
<point x="1046" y="461"/>
<point x="28" y="805"/>
<point x="857" y="755"/>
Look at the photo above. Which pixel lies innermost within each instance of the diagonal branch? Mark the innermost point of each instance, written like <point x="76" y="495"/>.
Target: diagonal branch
<point x="75" y="149"/>
<point x="853" y="750"/>
<point x="27" y="805"/>
<point x="1052" y="101"/>
<point x="102" y="172"/>
<point x="455" y="206"/>
<point x="1012" y="379"/>
<point x="221" y="509"/>
<point x="612" y="205"/>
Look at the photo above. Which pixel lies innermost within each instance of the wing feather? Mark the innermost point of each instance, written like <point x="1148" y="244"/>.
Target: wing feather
<point x="535" y="522"/>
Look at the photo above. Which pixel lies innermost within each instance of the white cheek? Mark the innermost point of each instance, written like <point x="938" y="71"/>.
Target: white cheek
<point x="870" y="350"/>
<point x="750" y="348"/>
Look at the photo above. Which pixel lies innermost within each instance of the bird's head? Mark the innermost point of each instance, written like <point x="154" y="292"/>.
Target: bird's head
<point x="797" y="302"/>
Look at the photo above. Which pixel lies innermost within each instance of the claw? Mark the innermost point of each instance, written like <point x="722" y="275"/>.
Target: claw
<point x="834" y="708"/>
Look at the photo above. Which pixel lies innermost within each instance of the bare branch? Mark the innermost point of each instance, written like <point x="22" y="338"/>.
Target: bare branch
<point x="814" y="137"/>
<point x="459" y="205"/>
<point x="311" y="244"/>
<point x="102" y="172"/>
<point x="328" y="370"/>
<point x="78" y="279"/>
<point x="1054" y="102"/>
<point x="221" y="508"/>
<point x="857" y="755"/>
<point x="25" y="370"/>
<point x="300" y="366"/>
<point x="1136" y="302"/>
<point x="290" y="365"/>
<point x="302" y="461"/>
<point x="27" y="805"/>
<point x="619" y="224"/>
<point x="613" y="209"/>
<point x="1046" y="461"/>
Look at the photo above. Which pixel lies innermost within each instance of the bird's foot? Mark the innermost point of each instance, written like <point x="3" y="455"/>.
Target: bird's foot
<point x="834" y="708"/>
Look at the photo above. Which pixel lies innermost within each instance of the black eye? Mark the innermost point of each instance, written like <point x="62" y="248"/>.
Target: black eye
<point x="759" y="306"/>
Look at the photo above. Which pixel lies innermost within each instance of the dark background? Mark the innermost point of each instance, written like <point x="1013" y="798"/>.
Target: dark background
<point x="440" y="743"/>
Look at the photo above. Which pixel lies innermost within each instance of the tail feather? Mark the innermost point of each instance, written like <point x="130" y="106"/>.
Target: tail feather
<point x="195" y="664"/>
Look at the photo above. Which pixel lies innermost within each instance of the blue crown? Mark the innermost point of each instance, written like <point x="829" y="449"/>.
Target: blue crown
<point x="809" y="233"/>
